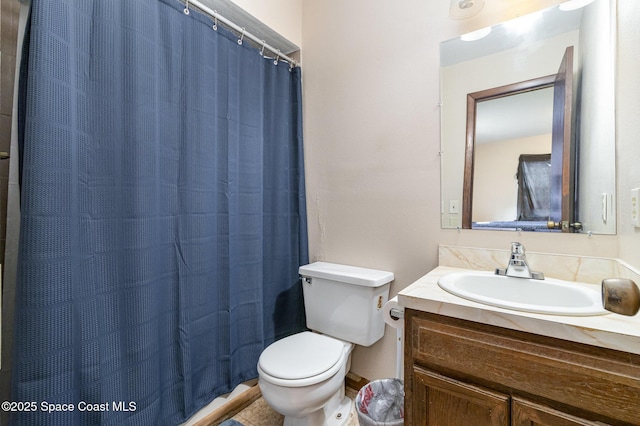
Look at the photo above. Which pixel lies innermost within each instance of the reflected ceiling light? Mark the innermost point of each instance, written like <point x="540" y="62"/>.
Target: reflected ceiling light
<point x="574" y="4"/>
<point x="464" y="9"/>
<point x="476" y="35"/>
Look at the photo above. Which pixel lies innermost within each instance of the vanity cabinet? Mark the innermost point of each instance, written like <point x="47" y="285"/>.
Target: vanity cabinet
<point x="460" y="372"/>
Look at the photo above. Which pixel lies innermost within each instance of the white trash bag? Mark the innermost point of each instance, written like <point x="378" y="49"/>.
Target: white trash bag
<point x="381" y="402"/>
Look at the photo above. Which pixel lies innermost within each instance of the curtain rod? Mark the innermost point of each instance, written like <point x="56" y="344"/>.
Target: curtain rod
<point x="243" y="32"/>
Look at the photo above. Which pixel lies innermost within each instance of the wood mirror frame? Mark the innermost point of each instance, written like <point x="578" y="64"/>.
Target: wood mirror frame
<point x="469" y="152"/>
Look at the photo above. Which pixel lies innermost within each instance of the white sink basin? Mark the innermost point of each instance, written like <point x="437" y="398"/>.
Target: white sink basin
<point x="548" y="296"/>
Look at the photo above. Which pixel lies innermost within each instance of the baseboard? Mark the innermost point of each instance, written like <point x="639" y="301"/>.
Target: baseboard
<point x="354" y="381"/>
<point x="231" y="408"/>
<point x="242" y="401"/>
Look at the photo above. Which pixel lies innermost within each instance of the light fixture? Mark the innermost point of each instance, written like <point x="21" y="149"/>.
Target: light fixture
<point x="464" y="9"/>
<point x="574" y="4"/>
<point x="476" y="35"/>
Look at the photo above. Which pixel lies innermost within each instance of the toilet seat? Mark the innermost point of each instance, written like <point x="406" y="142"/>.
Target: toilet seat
<point x="302" y="359"/>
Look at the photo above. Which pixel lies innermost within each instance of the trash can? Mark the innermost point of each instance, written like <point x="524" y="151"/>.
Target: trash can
<point x="381" y="402"/>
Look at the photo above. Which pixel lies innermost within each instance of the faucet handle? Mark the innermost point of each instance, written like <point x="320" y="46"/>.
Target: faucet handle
<point x="517" y="248"/>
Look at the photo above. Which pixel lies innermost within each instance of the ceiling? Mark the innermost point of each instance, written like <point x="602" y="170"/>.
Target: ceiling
<point x="510" y="34"/>
<point x="515" y="117"/>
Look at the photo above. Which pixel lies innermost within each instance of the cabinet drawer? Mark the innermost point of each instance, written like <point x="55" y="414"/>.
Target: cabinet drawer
<point x="592" y="379"/>
<point x="526" y="413"/>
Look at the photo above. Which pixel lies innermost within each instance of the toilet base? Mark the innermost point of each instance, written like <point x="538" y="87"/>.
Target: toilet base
<point x="334" y="413"/>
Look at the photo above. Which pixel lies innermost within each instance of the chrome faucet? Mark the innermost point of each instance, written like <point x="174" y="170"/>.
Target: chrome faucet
<point x="518" y="266"/>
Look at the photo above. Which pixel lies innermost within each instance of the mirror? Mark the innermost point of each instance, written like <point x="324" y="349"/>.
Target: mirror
<point x="484" y="184"/>
<point x="500" y="125"/>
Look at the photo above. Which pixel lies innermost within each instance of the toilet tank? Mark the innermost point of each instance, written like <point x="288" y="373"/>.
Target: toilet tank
<point x="345" y="302"/>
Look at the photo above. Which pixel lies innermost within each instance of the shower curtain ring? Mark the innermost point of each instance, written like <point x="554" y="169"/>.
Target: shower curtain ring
<point x="215" y="20"/>
<point x="264" y="43"/>
<point x="186" y="7"/>
<point x="241" y="36"/>
<point x="277" y="59"/>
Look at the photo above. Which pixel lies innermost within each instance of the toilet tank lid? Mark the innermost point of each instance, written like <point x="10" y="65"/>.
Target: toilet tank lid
<point x="346" y="274"/>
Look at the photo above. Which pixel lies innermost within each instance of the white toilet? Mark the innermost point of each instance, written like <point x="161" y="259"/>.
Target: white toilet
<point x="302" y="376"/>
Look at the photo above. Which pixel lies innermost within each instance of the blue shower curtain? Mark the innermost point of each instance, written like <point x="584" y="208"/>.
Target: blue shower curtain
<point x="163" y="213"/>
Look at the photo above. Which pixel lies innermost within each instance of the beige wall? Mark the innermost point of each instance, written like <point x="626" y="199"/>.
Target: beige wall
<point x="495" y="186"/>
<point x="372" y="138"/>
<point x="370" y="82"/>
<point x="283" y="16"/>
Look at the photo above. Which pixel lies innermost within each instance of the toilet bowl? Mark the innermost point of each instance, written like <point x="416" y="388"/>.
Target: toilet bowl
<point x="302" y="377"/>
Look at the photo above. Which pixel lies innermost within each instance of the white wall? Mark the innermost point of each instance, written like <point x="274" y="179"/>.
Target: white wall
<point x="628" y="126"/>
<point x="597" y="109"/>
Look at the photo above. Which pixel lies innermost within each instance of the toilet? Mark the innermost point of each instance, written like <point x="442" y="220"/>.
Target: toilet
<point x="302" y="376"/>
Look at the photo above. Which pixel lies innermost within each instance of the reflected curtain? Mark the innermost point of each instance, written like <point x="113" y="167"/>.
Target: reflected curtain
<point x="534" y="187"/>
<point x="162" y="212"/>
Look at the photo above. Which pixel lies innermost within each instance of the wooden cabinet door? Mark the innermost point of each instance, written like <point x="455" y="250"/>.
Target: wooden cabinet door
<point x="443" y="401"/>
<point x="527" y="413"/>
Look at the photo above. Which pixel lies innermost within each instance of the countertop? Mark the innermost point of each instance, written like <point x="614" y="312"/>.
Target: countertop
<point x="611" y="331"/>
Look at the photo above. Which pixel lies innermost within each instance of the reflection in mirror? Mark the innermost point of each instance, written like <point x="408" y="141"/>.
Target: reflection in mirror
<point x="503" y="59"/>
<point x="513" y="128"/>
<point x="559" y="185"/>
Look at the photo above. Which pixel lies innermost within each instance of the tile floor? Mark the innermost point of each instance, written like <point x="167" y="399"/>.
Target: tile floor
<point x="260" y="414"/>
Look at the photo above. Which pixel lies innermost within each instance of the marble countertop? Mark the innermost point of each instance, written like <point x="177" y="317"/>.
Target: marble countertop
<point x="611" y="331"/>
